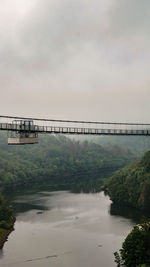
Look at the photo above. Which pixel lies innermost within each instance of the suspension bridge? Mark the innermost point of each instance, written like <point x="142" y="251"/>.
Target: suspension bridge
<point x="25" y="130"/>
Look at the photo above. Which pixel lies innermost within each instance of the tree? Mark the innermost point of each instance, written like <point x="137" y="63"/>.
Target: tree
<point x="136" y="248"/>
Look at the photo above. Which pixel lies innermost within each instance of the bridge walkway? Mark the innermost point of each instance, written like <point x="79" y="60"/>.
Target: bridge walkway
<point x="73" y="130"/>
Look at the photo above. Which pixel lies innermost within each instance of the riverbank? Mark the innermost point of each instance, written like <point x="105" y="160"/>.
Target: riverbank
<point x="4" y="233"/>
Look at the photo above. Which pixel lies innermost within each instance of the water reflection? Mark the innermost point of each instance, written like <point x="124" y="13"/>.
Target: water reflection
<point x="90" y="183"/>
<point x="84" y="188"/>
<point x="64" y="229"/>
<point x="34" y="201"/>
<point x="25" y="207"/>
<point x="127" y="212"/>
<point x="1" y="254"/>
<point x="26" y="200"/>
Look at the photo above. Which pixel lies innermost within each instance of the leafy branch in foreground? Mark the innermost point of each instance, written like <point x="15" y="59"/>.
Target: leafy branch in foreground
<point x="135" y="250"/>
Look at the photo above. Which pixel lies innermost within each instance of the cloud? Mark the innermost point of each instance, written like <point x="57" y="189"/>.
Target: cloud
<point x="130" y="18"/>
<point x="75" y="59"/>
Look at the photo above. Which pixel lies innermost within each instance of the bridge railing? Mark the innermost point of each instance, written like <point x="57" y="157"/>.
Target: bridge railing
<point x="73" y="127"/>
<point x="73" y="130"/>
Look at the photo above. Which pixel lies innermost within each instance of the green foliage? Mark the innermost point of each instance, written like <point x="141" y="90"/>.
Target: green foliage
<point x="136" y="248"/>
<point x="131" y="185"/>
<point x="5" y="214"/>
<point x="58" y="160"/>
<point x="2" y="231"/>
<point x="118" y="259"/>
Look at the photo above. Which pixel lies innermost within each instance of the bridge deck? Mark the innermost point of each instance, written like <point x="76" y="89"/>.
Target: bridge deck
<point x="74" y="130"/>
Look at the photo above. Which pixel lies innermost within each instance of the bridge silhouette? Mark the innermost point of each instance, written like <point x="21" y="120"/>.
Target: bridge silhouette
<point x="25" y="130"/>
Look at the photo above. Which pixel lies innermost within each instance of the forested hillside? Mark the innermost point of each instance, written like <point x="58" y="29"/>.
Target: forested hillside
<point x="131" y="185"/>
<point x="137" y="144"/>
<point x="58" y="160"/>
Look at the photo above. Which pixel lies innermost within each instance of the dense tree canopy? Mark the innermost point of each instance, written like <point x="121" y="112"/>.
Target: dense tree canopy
<point x="131" y="185"/>
<point x="136" y="248"/>
<point x="58" y="159"/>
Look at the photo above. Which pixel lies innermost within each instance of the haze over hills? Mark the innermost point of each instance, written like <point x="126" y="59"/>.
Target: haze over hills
<point x="137" y="144"/>
<point x="58" y="159"/>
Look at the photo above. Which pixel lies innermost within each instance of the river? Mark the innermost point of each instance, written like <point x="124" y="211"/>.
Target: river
<point x="64" y="229"/>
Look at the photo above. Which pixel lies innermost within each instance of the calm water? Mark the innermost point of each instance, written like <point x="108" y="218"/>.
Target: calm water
<point x="62" y="229"/>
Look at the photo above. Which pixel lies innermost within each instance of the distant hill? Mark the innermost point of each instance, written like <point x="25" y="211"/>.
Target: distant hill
<point x="137" y="144"/>
<point x="58" y="159"/>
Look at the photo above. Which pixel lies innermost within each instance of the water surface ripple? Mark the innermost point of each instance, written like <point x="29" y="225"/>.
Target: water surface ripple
<point x="63" y="229"/>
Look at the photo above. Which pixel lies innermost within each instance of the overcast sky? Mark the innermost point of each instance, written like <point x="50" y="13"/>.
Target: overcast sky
<point x="75" y="59"/>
